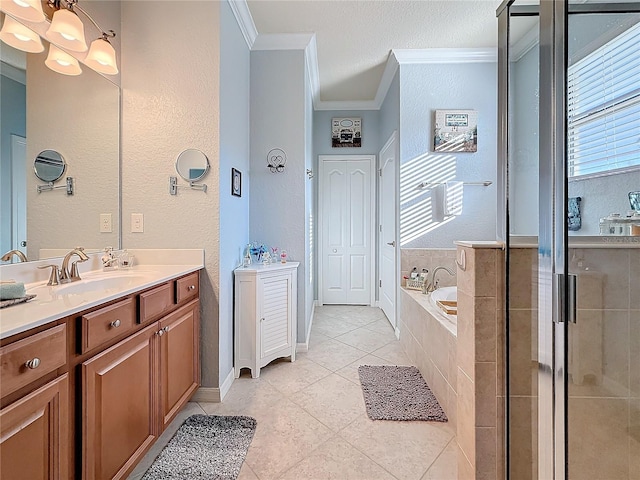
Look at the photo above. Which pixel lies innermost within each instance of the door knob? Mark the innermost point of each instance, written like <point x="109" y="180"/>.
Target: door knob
<point x="335" y="250"/>
<point x="393" y="243"/>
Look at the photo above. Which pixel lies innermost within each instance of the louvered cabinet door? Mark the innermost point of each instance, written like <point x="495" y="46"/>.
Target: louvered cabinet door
<point x="265" y="315"/>
<point x="275" y="316"/>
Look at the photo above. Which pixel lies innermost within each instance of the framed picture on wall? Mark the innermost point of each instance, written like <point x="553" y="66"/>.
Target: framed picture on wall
<point x="236" y="182"/>
<point x="346" y="132"/>
<point x="456" y="131"/>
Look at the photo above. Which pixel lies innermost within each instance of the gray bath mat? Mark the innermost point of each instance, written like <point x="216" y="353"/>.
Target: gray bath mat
<point x="398" y="393"/>
<point x="205" y="447"/>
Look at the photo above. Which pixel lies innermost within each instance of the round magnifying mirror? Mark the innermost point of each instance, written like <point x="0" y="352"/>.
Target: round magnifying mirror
<point x="49" y="166"/>
<point x="192" y="165"/>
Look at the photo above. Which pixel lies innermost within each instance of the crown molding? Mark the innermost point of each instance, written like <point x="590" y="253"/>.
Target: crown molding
<point x="524" y="44"/>
<point x="446" y="55"/>
<point x="283" y="41"/>
<point x="311" y="59"/>
<point x="15" y="74"/>
<point x="243" y="16"/>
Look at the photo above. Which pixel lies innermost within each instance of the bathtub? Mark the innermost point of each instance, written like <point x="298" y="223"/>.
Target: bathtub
<point x="429" y="303"/>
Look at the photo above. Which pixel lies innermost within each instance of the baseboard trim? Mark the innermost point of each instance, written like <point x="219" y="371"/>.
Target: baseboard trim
<point x="213" y="394"/>
<point x="304" y="347"/>
<point x="397" y="332"/>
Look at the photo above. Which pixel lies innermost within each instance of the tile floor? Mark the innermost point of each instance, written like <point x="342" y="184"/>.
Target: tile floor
<point x="312" y="423"/>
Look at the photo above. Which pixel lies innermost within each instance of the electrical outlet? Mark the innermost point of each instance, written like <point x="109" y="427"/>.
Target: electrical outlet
<point x="137" y="223"/>
<point x="105" y="223"/>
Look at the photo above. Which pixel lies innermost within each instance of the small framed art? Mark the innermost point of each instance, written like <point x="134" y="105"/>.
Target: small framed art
<point x="236" y="182"/>
<point x="456" y="131"/>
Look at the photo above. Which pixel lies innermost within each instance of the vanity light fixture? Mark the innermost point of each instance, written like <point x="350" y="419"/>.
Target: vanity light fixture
<point x="30" y="10"/>
<point x="102" y="55"/>
<point x="61" y="62"/>
<point x="18" y="36"/>
<point x="67" y="30"/>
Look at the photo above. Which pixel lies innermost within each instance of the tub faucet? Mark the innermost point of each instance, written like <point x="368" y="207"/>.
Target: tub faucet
<point x="433" y="285"/>
<point x="7" y="256"/>
<point x="72" y="275"/>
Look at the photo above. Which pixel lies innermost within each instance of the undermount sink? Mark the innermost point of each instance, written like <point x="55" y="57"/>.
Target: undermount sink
<point x="97" y="282"/>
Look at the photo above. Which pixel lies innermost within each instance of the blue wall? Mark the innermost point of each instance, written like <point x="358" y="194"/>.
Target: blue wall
<point x="234" y="153"/>
<point x="13" y="120"/>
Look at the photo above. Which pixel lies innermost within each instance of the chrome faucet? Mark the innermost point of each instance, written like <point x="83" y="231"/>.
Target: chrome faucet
<point x="7" y="256"/>
<point x="433" y="285"/>
<point x="66" y="275"/>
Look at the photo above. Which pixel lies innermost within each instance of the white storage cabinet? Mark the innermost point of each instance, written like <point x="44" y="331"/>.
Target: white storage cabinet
<point x="265" y="315"/>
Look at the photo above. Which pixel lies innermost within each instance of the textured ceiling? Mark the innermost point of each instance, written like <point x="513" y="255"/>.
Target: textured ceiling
<point x="354" y="37"/>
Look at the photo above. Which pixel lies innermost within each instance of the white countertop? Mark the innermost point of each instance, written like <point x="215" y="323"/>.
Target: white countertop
<point x="51" y="304"/>
<point x="260" y="267"/>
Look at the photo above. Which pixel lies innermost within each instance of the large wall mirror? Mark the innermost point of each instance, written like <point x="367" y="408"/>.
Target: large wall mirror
<point x="77" y="116"/>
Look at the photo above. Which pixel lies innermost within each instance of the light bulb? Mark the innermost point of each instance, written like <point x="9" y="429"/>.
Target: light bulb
<point x="67" y="30"/>
<point x="30" y="10"/>
<point x="18" y="36"/>
<point x="62" y="62"/>
<point x="102" y="57"/>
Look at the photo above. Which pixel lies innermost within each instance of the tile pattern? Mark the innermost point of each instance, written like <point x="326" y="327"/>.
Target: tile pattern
<point x="312" y="422"/>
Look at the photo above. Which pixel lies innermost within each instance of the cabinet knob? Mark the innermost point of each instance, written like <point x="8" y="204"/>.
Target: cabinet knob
<point x="33" y="363"/>
<point x="166" y="329"/>
<point x="115" y="324"/>
<point x="160" y="332"/>
<point x="191" y="287"/>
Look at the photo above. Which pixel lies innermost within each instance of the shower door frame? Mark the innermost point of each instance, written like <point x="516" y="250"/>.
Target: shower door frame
<point x="556" y="290"/>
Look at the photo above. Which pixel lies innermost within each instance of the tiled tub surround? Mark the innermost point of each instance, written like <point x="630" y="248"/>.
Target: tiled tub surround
<point x="429" y="341"/>
<point x="480" y="384"/>
<point x="429" y="258"/>
<point x="604" y="383"/>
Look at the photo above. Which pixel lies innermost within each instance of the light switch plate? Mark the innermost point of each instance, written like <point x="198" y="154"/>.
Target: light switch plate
<point x="105" y="223"/>
<point x="137" y="223"/>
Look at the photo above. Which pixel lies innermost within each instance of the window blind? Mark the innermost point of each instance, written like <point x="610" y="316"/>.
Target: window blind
<point x="603" y="108"/>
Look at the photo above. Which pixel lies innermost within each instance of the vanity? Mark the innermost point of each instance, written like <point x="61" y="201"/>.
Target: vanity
<point x="90" y="376"/>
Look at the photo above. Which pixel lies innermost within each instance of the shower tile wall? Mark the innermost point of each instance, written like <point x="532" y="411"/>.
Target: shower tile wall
<point x="604" y="359"/>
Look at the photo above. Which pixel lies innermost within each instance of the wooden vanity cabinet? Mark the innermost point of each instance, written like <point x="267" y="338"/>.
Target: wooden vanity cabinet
<point x="101" y="394"/>
<point x="179" y="359"/>
<point x="34" y="436"/>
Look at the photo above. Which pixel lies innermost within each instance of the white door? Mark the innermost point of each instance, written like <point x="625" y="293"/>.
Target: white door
<point x="388" y="237"/>
<point x="19" y="193"/>
<point x="346" y="229"/>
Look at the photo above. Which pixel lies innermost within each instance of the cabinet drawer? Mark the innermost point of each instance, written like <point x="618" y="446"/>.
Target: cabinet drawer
<point x="26" y="360"/>
<point x="187" y="287"/>
<point x="157" y="301"/>
<point x="107" y="323"/>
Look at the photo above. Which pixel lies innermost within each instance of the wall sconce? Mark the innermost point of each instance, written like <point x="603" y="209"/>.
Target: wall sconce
<point x="66" y="31"/>
<point x="309" y="173"/>
<point x="276" y="159"/>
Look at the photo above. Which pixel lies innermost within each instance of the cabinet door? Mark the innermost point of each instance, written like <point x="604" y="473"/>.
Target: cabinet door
<point x="179" y="359"/>
<point x="274" y="294"/>
<point x="120" y="405"/>
<point x="36" y="428"/>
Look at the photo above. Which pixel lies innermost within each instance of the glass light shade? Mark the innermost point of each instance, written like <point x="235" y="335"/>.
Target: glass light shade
<point x="67" y="30"/>
<point x="18" y="36"/>
<point x="102" y="57"/>
<point x="30" y="10"/>
<point x="62" y="62"/>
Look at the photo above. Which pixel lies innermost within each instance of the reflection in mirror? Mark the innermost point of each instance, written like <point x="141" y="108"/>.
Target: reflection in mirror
<point x="192" y="165"/>
<point x="79" y="116"/>
<point x="49" y="166"/>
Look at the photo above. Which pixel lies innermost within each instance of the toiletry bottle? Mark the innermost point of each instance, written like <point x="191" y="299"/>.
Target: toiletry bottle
<point x="246" y="262"/>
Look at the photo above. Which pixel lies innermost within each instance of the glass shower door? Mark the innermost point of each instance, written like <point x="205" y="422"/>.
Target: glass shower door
<point x="603" y="161"/>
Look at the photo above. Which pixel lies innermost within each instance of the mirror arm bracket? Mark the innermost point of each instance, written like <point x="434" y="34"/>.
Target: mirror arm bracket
<point x="173" y="186"/>
<point x="49" y="186"/>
